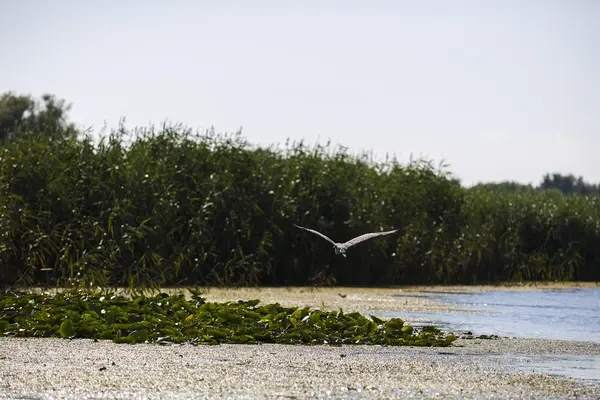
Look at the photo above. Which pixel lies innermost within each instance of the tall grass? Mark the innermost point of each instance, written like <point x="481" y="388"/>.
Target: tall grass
<point x="169" y="207"/>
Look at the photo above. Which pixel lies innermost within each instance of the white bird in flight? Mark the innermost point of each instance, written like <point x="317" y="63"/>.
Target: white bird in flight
<point x="340" y="248"/>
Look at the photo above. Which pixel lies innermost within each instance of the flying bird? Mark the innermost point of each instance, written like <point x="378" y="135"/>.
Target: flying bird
<point x="340" y="248"/>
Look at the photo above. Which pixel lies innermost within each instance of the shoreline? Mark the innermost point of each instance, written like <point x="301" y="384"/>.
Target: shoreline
<point x="366" y="300"/>
<point x="82" y="368"/>
<point x="505" y="368"/>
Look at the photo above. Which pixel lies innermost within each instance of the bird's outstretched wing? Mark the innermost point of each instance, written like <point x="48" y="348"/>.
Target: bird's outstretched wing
<point x="316" y="233"/>
<point x="366" y="236"/>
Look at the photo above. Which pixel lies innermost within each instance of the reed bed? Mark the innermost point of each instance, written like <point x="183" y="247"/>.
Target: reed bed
<point x="166" y="207"/>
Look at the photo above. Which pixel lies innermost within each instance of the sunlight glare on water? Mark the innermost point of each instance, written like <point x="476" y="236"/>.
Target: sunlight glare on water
<point x="572" y="314"/>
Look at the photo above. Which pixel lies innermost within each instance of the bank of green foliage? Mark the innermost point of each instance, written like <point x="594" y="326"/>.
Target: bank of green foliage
<point x="167" y="319"/>
<point x="168" y="207"/>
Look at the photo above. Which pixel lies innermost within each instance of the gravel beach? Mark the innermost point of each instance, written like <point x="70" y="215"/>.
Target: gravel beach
<point x="474" y="368"/>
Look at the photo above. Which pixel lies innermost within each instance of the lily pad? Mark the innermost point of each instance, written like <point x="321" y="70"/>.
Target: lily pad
<point x="165" y="319"/>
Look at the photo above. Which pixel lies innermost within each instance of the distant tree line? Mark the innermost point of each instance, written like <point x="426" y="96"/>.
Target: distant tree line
<point x="566" y="184"/>
<point x="569" y="184"/>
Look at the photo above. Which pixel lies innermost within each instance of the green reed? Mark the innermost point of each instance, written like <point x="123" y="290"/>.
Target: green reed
<point x="167" y="207"/>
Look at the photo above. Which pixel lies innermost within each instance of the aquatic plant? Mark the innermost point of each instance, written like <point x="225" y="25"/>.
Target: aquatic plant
<point x="151" y="208"/>
<point x="167" y="319"/>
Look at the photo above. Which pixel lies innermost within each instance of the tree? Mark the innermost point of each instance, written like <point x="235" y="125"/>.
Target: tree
<point x="21" y="115"/>
<point x="568" y="184"/>
<point x="510" y="186"/>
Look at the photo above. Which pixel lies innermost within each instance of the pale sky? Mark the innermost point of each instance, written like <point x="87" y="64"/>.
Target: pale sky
<point x="499" y="90"/>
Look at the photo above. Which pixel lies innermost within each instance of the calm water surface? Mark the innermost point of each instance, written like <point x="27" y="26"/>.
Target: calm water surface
<point x="571" y="314"/>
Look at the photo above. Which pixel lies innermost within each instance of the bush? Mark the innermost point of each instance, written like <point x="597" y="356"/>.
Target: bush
<point x="169" y="207"/>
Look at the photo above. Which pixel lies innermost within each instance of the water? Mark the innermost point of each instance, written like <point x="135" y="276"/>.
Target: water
<point x="572" y="314"/>
<point x="558" y="314"/>
<point x="582" y="367"/>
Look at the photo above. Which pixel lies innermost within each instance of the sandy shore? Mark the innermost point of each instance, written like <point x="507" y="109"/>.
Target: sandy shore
<point x="411" y="299"/>
<point x="491" y="369"/>
<point x="78" y="369"/>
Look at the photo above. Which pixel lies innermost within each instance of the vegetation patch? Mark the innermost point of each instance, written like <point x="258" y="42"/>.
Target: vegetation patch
<point x="171" y="207"/>
<point x="168" y="319"/>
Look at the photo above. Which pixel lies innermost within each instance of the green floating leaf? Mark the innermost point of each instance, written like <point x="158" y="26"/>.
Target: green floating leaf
<point x="252" y="314"/>
<point x="166" y="319"/>
<point x="181" y="315"/>
<point x="394" y="323"/>
<point x="125" y="339"/>
<point x="228" y="315"/>
<point x="196" y="295"/>
<point x="107" y="334"/>
<point x="242" y="339"/>
<point x="408" y="330"/>
<point x="4" y="325"/>
<point x="66" y="328"/>
<point x="217" y="333"/>
<point x="251" y="303"/>
<point x="139" y="335"/>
